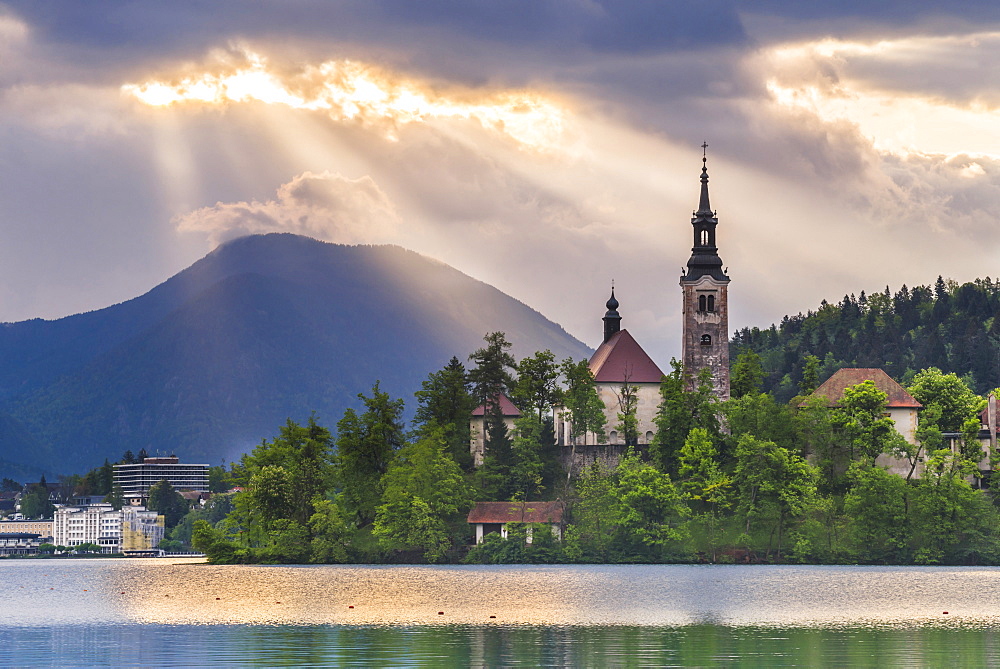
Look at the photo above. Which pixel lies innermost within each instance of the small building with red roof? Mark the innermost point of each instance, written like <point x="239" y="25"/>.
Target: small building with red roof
<point x="490" y="517"/>
<point x="901" y="406"/>
<point x="477" y="426"/>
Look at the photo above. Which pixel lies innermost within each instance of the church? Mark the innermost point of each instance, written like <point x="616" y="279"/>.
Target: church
<point x="621" y="360"/>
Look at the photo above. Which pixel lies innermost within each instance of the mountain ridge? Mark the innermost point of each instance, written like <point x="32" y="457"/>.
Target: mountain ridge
<point x="263" y="328"/>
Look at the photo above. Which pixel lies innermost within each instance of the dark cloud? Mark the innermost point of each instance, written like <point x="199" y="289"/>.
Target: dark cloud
<point x="621" y="26"/>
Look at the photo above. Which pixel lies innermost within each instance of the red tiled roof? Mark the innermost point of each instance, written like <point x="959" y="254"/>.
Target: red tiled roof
<point x="833" y="388"/>
<point x="506" y="407"/>
<point x="516" y="512"/>
<point x="621" y="355"/>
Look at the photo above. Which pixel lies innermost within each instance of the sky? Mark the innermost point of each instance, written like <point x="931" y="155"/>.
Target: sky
<point x="547" y="147"/>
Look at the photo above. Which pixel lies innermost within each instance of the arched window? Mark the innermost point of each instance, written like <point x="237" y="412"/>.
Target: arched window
<point x="704" y="237"/>
<point x="702" y="303"/>
<point x="649" y="437"/>
<point x="613" y="437"/>
<point x="706" y="340"/>
<point x="711" y="303"/>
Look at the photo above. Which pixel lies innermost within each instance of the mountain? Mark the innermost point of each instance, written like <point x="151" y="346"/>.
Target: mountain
<point x="951" y="326"/>
<point x="216" y="358"/>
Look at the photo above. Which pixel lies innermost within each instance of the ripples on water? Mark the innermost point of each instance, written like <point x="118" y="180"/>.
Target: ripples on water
<point x="156" y="612"/>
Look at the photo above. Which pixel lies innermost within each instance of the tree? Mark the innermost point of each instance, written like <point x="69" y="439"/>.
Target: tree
<point x="704" y="484"/>
<point x="366" y="445"/>
<point x="773" y="486"/>
<point x="810" y="375"/>
<point x="877" y="507"/>
<point x="445" y="401"/>
<point x="299" y="460"/>
<point x="758" y="414"/>
<point x="584" y="407"/>
<point x="537" y="386"/>
<point x="747" y="374"/>
<point x="219" y="479"/>
<point x="330" y="533"/>
<point x="36" y="503"/>
<point x="491" y="376"/>
<point x="949" y="406"/>
<point x="424" y="492"/>
<point x="958" y="403"/>
<point x="861" y="417"/>
<point x="9" y="485"/>
<point x="116" y="498"/>
<point x="594" y="535"/>
<point x="679" y="411"/>
<point x="652" y="510"/>
<point x="816" y="432"/>
<point x="167" y="502"/>
<point x="628" y="422"/>
<point x="526" y="473"/>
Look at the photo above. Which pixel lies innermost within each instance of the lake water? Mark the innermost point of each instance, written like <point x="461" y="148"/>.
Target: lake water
<point x="163" y="612"/>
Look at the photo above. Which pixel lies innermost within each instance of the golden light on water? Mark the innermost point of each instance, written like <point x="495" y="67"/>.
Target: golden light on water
<point x="349" y="90"/>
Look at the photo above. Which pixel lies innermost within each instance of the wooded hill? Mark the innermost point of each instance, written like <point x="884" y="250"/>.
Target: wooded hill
<point x="951" y="326"/>
<point x="262" y="329"/>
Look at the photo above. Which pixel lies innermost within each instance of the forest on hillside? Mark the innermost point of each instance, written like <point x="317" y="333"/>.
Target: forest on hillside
<point x="951" y="326"/>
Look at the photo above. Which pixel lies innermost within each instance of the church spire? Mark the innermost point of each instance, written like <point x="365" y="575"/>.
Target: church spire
<point x="705" y="258"/>
<point x="704" y="208"/>
<point x="612" y="320"/>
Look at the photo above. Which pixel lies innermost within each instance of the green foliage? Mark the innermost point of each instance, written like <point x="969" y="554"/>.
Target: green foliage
<point x="956" y="400"/>
<point x="952" y="327"/>
<point x="863" y="423"/>
<point x="584" y="407"/>
<point x="537" y="386"/>
<point x="774" y="486"/>
<point x="366" y="444"/>
<point x="445" y="402"/>
<point x="544" y="548"/>
<point x="331" y="534"/>
<point x="87" y="548"/>
<point x="424" y="492"/>
<point x="877" y="505"/>
<point x="681" y="410"/>
<point x="628" y="422"/>
<point x="491" y="377"/>
<point x="36" y="503"/>
<point x="651" y="509"/>
<point x="219" y="480"/>
<point x="167" y="502"/>
<point x="116" y="498"/>
<point x="758" y="414"/>
<point x="46" y="548"/>
<point x="746" y="374"/>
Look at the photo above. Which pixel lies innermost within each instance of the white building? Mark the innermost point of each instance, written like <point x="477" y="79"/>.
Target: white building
<point x="100" y="524"/>
<point x="136" y="479"/>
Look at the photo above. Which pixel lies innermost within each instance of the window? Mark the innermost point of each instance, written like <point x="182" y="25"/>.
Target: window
<point x="649" y="437"/>
<point x="711" y="303"/>
<point x="702" y="303"/>
<point x="704" y="237"/>
<point x="706" y="340"/>
<point x="613" y="437"/>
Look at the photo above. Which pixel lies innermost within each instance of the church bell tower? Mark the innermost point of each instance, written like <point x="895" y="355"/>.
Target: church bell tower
<point x="705" y="286"/>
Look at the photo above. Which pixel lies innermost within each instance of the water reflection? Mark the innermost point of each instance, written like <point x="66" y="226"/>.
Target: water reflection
<point x="165" y="613"/>
<point x="169" y="592"/>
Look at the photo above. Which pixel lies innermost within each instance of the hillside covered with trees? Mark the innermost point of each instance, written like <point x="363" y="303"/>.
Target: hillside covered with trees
<point x="749" y="479"/>
<point x="951" y="326"/>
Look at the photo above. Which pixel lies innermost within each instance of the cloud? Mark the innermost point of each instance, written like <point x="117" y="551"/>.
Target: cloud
<point x="325" y="206"/>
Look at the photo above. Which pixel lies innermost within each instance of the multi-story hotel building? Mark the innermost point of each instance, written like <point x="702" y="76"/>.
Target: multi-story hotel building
<point x="136" y="479"/>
